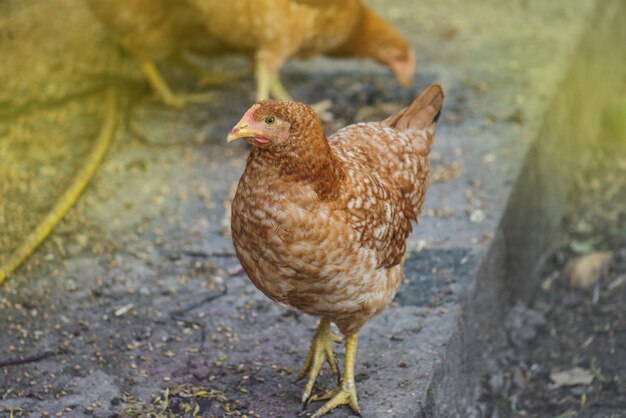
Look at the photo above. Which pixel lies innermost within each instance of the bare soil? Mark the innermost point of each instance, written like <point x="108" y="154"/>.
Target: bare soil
<point x="566" y="327"/>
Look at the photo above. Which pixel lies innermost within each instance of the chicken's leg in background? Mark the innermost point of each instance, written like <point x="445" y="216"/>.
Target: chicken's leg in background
<point x="188" y="60"/>
<point x="274" y="31"/>
<point x="155" y="30"/>
<point x="267" y="73"/>
<point x="159" y="85"/>
<point x="266" y="70"/>
<point x="268" y="84"/>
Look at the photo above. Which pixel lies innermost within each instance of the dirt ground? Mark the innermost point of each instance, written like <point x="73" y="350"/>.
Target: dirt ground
<point x="136" y="304"/>
<point x="567" y="327"/>
<point x="141" y="309"/>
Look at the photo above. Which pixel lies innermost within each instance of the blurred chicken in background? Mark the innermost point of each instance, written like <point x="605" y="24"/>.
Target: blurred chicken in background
<point x="269" y="31"/>
<point x="276" y="30"/>
<point x="154" y="30"/>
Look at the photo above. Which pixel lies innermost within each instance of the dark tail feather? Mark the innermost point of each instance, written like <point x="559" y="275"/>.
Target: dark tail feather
<point x="422" y="113"/>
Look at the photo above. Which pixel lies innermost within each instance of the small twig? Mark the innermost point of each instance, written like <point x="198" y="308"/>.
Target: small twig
<point x="178" y="315"/>
<point x="29" y="359"/>
<point x="609" y="404"/>
<point x="200" y="254"/>
<point x="201" y="302"/>
<point x="224" y="254"/>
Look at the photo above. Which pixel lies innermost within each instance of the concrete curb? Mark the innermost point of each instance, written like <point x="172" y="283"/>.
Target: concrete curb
<point x="509" y="269"/>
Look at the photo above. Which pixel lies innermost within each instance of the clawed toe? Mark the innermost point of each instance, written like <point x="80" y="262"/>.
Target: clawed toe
<point x="343" y="395"/>
<point x="321" y="351"/>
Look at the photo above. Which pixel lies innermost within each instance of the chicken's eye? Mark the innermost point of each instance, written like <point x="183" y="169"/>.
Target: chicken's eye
<point x="270" y="120"/>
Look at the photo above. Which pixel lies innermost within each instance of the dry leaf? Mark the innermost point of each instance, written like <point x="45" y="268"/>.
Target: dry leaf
<point x="571" y="377"/>
<point x="586" y="270"/>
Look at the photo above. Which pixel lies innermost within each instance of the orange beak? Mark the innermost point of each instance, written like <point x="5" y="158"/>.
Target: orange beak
<point x="242" y="130"/>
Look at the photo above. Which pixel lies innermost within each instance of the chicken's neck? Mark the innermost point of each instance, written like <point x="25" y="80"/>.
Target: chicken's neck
<point x="310" y="160"/>
<point x="368" y="37"/>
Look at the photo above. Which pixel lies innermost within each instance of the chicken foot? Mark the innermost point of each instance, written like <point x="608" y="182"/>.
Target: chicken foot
<point x="321" y="350"/>
<point x="345" y="394"/>
<point x="277" y="89"/>
<point x="159" y="85"/>
<point x="205" y="77"/>
<point x="268" y="83"/>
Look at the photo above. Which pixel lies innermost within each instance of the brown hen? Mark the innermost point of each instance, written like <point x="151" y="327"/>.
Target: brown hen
<point x="275" y="30"/>
<point x="320" y="225"/>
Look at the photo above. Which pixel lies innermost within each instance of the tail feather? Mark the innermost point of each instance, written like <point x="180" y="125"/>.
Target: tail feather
<point x="422" y="113"/>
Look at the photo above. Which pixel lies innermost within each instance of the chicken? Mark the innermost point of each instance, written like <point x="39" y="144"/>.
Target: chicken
<point x="275" y="30"/>
<point x="153" y="30"/>
<point x="320" y="225"/>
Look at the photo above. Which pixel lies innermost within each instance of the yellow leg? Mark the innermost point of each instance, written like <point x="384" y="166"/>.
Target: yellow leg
<point x="279" y="92"/>
<point x="345" y="394"/>
<point x="321" y="350"/>
<point x="162" y="89"/>
<point x="268" y="82"/>
<point x="277" y="89"/>
<point x="205" y="77"/>
<point x="263" y="81"/>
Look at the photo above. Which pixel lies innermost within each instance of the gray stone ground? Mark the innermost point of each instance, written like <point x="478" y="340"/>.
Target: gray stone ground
<point x="138" y="291"/>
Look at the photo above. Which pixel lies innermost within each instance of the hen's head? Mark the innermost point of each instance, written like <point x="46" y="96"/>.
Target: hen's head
<point x="278" y="124"/>
<point x="376" y="39"/>
<point x="386" y="45"/>
<point x="288" y="139"/>
<point x="400" y="58"/>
